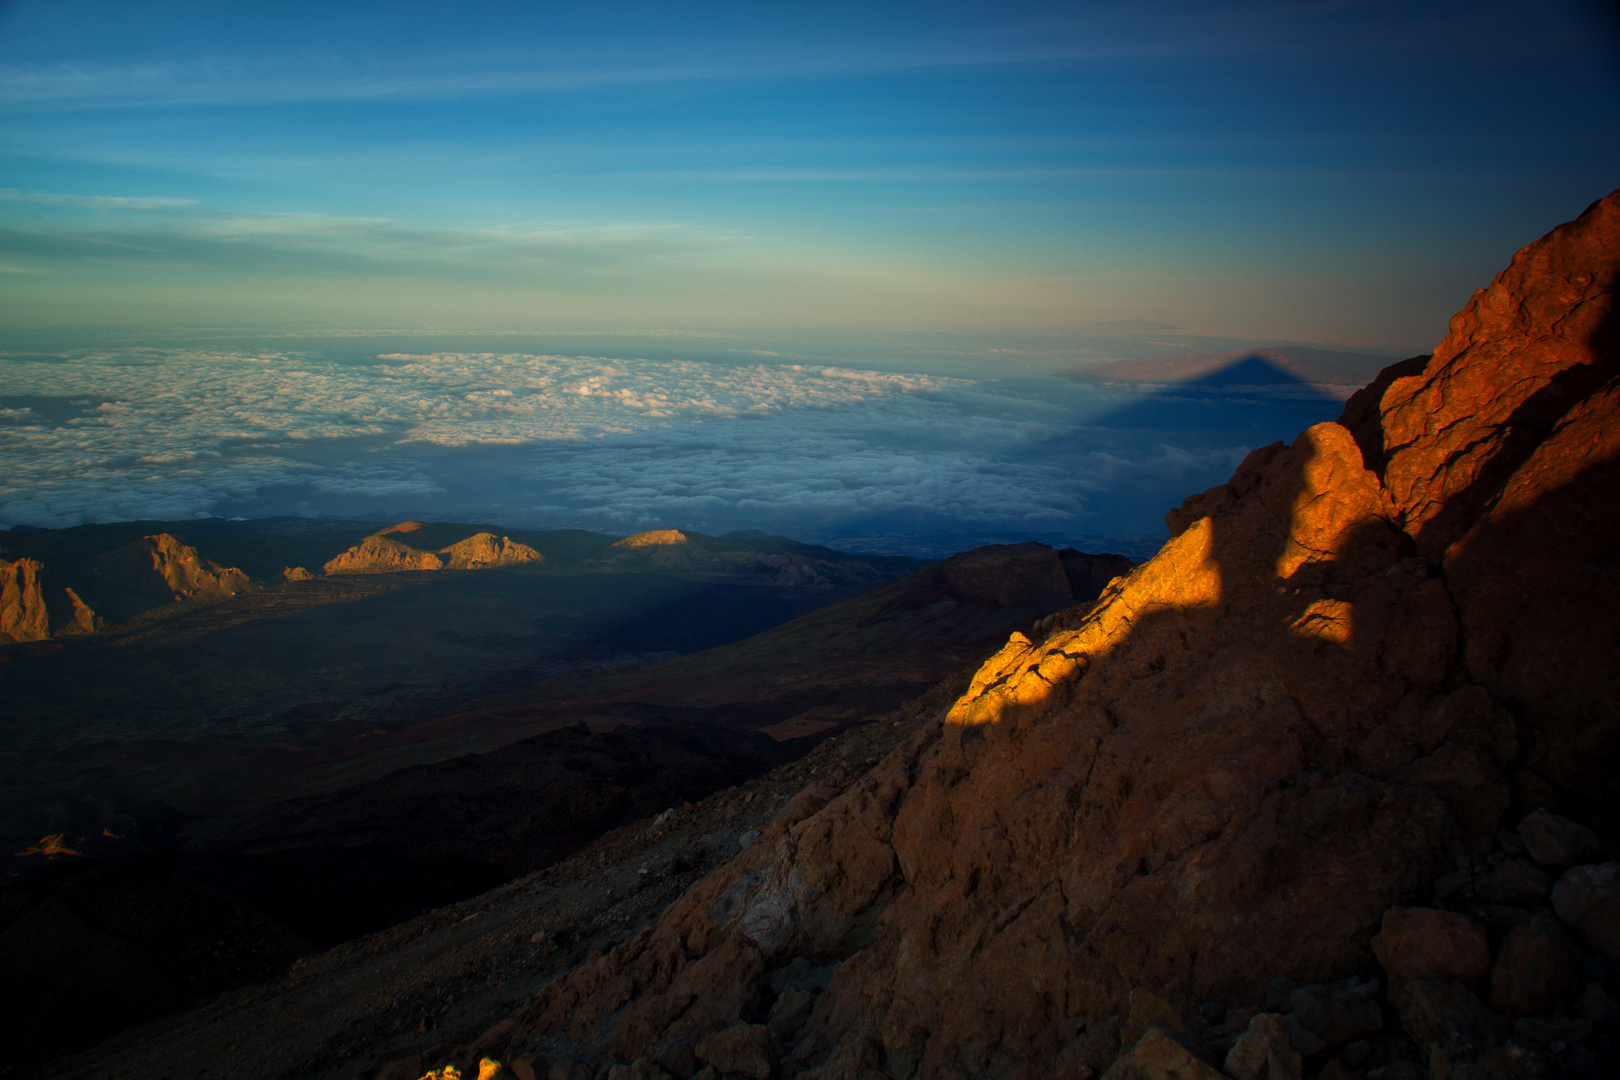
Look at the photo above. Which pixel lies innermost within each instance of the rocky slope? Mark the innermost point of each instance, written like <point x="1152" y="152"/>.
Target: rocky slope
<point x="1304" y="723"/>
<point x="388" y="817"/>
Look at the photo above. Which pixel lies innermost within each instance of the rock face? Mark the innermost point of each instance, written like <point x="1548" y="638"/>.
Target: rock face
<point x="1334" y="681"/>
<point x="22" y="602"/>
<point x="159" y="565"/>
<point x="35" y="604"/>
<point x="382" y="554"/>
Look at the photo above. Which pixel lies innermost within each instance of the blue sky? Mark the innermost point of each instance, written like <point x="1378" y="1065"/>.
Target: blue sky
<point x="1323" y="172"/>
<point x="806" y="268"/>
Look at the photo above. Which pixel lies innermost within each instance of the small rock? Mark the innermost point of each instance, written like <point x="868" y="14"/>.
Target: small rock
<point x="677" y="1057"/>
<point x="1338" y="1013"/>
<point x="1149" y="1010"/>
<point x="1219" y="1039"/>
<point x="742" y="1050"/>
<point x="1333" y="1070"/>
<point x="1515" y="882"/>
<point x="1304" y="1039"/>
<point x="1156" y="1056"/>
<point x="1416" y="942"/>
<point x="1355" y="1054"/>
<point x="1451" y="884"/>
<point x="708" y="1072"/>
<point x="1212" y="1011"/>
<point x="522" y="1068"/>
<point x="1265" y="1051"/>
<point x="1552" y="840"/>
<point x="1441" y="1014"/>
<point x="490" y="1069"/>
<point x="1278" y="994"/>
<point x="569" y="1069"/>
<point x="788" y="1015"/>
<point x="1550" y="1030"/>
<point x="855" y="1060"/>
<point x="1092" y="1050"/>
<point x="747" y="837"/>
<point x="1587" y="898"/>
<point x="1596" y="1005"/>
<point x="1510" y="842"/>
<point x="1535" y="970"/>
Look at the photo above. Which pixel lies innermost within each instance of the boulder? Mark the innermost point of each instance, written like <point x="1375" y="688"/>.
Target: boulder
<point x="1265" y="1052"/>
<point x="1417" y="942"/>
<point x="1339" y="1013"/>
<point x="1535" y="970"/>
<point x="1552" y="840"/>
<point x="1159" y="1057"/>
<point x="741" y="1050"/>
<point x="1514" y="882"/>
<point x="1443" y="1015"/>
<point x="1587" y="898"/>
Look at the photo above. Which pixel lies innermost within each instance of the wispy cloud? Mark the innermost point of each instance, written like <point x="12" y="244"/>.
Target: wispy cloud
<point x="93" y="202"/>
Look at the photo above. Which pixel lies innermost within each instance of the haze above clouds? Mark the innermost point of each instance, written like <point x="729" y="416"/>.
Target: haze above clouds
<point x="730" y="266"/>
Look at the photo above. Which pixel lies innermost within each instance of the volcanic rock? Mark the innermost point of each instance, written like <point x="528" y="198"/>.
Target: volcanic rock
<point x="1159" y="1057"/>
<point x="22" y="602"/>
<point x="1588" y="899"/>
<point x="1552" y="840"/>
<point x="1248" y="750"/>
<point x="382" y="553"/>
<point x="160" y="564"/>
<point x="1441" y="1014"/>
<point x="741" y="1050"/>
<point x="1535" y="970"/>
<point x="1265" y="1051"/>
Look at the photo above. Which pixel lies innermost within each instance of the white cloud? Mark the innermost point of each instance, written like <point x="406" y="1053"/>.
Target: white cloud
<point x="811" y="451"/>
<point x="93" y="202"/>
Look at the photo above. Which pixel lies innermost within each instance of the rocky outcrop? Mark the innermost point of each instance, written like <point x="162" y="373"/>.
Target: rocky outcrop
<point x="22" y="602"/>
<point x="36" y="603"/>
<point x="381" y="554"/>
<point x="484" y="550"/>
<point x="161" y="566"/>
<point x="1327" y="692"/>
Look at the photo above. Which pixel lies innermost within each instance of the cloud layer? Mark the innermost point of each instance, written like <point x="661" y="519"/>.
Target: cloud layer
<point x="818" y="452"/>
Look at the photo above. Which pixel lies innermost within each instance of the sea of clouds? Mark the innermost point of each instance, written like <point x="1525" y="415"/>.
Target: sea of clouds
<point x="863" y="459"/>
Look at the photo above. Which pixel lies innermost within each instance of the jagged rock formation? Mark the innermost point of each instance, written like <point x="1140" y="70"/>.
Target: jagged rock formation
<point x="152" y="570"/>
<point x="381" y="554"/>
<point x="1327" y="692"/>
<point x="22" y="602"/>
<point x="163" y="566"/>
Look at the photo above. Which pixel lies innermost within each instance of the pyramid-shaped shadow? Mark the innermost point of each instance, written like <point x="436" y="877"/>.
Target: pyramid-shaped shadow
<point x="1251" y="392"/>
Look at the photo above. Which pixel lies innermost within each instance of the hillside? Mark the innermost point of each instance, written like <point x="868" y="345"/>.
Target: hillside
<point x="191" y="866"/>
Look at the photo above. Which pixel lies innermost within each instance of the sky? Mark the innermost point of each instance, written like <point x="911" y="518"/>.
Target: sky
<point x="226" y="229"/>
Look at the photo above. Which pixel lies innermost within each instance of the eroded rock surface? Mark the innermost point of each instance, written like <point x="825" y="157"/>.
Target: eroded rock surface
<point x="1324" y="694"/>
